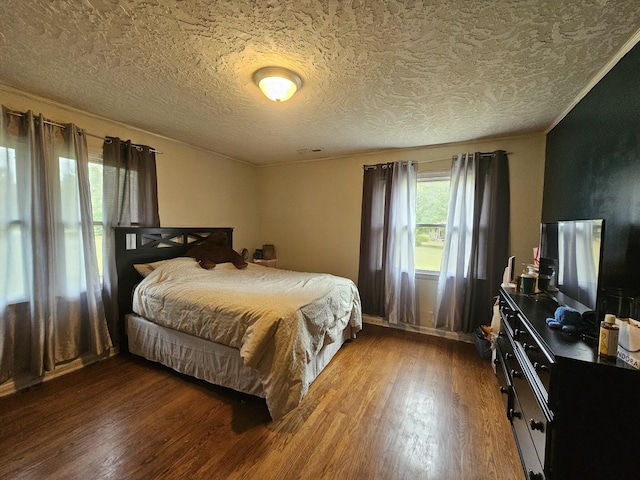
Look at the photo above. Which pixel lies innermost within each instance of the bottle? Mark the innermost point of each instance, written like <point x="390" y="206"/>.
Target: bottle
<point x="608" y="344"/>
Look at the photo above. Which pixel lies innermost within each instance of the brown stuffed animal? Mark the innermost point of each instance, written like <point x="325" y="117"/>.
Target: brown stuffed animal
<point x="214" y="250"/>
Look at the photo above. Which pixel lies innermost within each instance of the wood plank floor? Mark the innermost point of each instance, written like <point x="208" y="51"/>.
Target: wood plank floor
<point x="391" y="405"/>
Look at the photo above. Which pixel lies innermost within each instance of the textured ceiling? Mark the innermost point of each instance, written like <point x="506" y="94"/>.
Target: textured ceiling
<point x="377" y="75"/>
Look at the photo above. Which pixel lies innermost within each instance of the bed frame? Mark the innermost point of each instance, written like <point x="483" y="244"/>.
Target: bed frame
<point x="150" y="244"/>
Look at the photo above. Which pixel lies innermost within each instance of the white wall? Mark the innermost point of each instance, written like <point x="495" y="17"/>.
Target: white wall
<point x="196" y="188"/>
<point x="311" y="211"/>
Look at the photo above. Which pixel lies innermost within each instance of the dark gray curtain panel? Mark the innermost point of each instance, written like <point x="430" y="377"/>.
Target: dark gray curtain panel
<point x="130" y="184"/>
<point x="490" y="239"/>
<point x="130" y="197"/>
<point x="373" y="244"/>
<point x="386" y="277"/>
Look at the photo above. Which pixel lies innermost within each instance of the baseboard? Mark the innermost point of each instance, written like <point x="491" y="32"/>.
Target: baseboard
<point x="459" y="336"/>
<point x="13" y="386"/>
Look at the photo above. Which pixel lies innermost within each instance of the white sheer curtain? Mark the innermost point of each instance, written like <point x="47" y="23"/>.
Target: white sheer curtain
<point x="477" y="241"/>
<point x="400" y="275"/>
<point x="456" y="255"/>
<point x="51" y="309"/>
<point x="386" y="278"/>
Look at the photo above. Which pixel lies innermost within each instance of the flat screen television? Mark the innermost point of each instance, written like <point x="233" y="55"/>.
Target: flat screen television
<point x="570" y="256"/>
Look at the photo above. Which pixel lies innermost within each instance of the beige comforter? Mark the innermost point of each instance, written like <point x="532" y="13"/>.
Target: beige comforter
<point x="278" y="319"/>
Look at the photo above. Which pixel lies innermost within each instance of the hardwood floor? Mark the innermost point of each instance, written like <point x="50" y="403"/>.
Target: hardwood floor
<point x="391" y="405"/>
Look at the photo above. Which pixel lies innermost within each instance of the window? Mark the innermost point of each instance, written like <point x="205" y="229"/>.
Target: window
<point x="13" y="278"/>
<point x="70" y="276"/>
<point x="432" y="204"/>
<point x="95" y="183"/>
<point x="14" y="236"/>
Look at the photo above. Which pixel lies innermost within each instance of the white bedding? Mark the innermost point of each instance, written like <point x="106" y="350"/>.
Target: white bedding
<point x="278" y="319"/>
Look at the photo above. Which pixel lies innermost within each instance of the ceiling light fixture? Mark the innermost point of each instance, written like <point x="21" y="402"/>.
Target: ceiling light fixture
<point x="277" y="83"/>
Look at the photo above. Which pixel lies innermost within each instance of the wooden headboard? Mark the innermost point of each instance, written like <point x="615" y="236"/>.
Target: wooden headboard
<point x="150" y="244"/>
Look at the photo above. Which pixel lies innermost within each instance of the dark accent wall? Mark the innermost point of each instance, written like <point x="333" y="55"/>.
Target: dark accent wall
<point x="592" y="169"/>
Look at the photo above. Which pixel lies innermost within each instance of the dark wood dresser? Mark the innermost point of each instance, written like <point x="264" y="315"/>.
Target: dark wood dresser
<point x="573" y="414"/>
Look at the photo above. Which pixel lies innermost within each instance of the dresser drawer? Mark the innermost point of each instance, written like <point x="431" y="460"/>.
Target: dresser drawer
<point x="504" y="381"/>
<point x="526" y="444"/>
<point x="532" y="414"/>
<point x="508" y="316"/>
<point x="511" y="364"/>
<point x="538" y="362"/>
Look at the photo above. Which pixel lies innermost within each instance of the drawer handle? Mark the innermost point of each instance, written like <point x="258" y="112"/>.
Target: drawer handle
<point x="508" y="355"/>
<point x="504" y="390"/>
<point x="514" y="413"/>
<point x="540" y="367"/>
<point x="536" y="425"/>
<point x="534" y="476"/>
<point x="531" y="348"/>
<point x="516" y="374"/>
<point x="516" y="333"/>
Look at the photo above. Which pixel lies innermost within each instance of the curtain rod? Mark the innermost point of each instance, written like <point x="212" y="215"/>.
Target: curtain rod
<point x="138" y="147"/>
<point x="454" y="156"/>
<point x="440" y="159"/>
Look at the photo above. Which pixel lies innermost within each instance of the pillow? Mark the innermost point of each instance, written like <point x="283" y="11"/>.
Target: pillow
<point x="145" y="269"/>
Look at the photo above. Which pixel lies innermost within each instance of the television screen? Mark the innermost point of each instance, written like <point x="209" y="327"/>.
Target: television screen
<point x="570" y="256"/>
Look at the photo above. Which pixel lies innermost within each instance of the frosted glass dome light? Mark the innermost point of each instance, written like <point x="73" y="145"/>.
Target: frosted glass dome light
<point x="277" y="83"/>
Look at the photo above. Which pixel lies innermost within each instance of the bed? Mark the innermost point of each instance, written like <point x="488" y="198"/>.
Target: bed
<point x="262" y="331"/>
